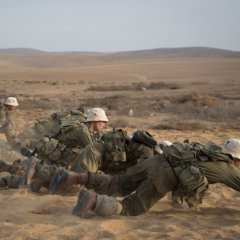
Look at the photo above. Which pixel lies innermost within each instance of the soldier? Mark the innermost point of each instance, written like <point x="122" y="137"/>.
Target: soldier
<point x="61" y="150"/>
<point x="8" y="120"/>
<point x="220" y="165"/>
<point x="143" y="184"/>
<point x="72" y="137"/>
<point x="114" y="155"/>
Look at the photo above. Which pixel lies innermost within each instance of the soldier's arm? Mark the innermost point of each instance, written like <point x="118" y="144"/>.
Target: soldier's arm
<point x="84" y="137"/>
<point x="88" y="160"/>
<point x="233" y="178"/>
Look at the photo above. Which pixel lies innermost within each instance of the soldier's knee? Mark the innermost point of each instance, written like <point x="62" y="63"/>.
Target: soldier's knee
<point x="132" y="206"/>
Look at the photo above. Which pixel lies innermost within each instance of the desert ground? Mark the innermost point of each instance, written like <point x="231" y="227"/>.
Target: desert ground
<point x="177" y="95"/>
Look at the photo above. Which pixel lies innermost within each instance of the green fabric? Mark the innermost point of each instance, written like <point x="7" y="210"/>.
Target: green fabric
<point x="209" y="151"/>
<point x="221" y="172"/>
<point x="148" y="181"/>
<point x="77" y="136"/>
<point x="90" y="159"/>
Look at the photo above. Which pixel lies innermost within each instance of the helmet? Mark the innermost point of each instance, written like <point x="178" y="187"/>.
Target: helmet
<point x="96" y="115"/>
<point x="11" y="101"/>
<point x="233" y="147"/>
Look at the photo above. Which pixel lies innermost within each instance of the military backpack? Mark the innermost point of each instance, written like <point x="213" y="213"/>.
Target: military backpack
<point x="192" y="183"/>
<point x="209" y="151"/>
<point x="144" y="137"/>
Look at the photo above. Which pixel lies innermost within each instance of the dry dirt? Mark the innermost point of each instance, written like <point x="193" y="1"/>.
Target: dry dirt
<point x="172" y="98"/>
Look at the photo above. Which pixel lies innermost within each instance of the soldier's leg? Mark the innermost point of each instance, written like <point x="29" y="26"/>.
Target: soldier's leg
<point x="37" y="169"/>
<point x="17" y="167"/>
<point x="137" y="203"/>
<point x="4" y="167"/>
<point x="142" y="200"/>
<point x="88" y="200"/>
<point x="102" y="183"/>
<point x="12" y="181"/>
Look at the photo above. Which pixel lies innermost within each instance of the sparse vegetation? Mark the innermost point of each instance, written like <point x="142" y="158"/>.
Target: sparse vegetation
<point x="181" y="125"/>
<point x="134" y="87"/>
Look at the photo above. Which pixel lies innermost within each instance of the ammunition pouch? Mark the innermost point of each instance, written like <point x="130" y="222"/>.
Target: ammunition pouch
<point x="53" y="151"/>
<point x="192" y="184"/>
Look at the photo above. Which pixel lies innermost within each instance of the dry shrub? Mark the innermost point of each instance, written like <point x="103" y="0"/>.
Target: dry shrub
<point x="38" y="103"/>
<point x="120" y="123"/>
<point x="204" y="107"/>
<point x="181" y="126"/>
<point x="141" y="86"/>
<point x="198" y="99"/>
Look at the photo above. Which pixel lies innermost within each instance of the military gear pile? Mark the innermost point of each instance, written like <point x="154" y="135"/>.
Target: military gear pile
<point x="144" y="137"/>
<point x="192" y="183"/>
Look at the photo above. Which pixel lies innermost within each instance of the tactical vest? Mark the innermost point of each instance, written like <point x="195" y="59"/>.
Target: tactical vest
<point x="114" y="151"/>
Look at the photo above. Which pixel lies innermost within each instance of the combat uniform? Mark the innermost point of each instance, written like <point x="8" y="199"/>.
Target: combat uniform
<point x="221" y="172"/>
<point x="146" y="182"/>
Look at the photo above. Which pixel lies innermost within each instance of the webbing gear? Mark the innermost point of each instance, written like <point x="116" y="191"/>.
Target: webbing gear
<point x="54" y="151"/>
<point x="209" y="151"/>
<point x="114" y="142"/>
<point x="192" y="183"/>
<point x="179" y="154"/>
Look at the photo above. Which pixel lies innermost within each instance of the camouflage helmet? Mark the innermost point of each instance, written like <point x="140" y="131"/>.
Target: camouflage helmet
<point x="11" y="101"/>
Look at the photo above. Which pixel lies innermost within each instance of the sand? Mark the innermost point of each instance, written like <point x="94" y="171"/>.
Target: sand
<point x="45" y="85"/>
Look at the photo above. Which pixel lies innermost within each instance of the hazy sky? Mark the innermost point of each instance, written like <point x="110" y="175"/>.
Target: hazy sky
<point x="119" y="25"/>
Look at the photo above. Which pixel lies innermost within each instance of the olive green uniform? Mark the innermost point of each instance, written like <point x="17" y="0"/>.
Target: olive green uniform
<point x="93" y="158"/>
<point x="76" y="136"/>
<point x="146" y="182"/>
<point x="66" y="145"/>
<point x="221" y="172"/>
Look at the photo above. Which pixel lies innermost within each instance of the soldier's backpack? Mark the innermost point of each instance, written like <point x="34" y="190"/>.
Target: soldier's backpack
<point x="209" y="151"/>
<point x="179" y="154"/>
<point x="114" y="153"/>
<point x="144" y="137"/>
<point x="192" y="183"/>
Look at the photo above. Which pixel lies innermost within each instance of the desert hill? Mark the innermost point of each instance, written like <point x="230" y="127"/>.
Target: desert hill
<point x="41" y="59"/>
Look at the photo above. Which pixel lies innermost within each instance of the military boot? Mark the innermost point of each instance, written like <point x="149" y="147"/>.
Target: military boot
<point x="88" y="200"/>
<point x="2" y="183"/>
<point x="66" y="178"/>
<point x="4" y="167"/>
<point x="13" y="181"/>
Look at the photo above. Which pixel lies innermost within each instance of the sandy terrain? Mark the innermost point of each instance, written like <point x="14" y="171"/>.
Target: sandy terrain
<point x="172" y="97"/>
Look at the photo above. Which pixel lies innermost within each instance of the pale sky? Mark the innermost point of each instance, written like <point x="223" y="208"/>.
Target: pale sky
<point x="119" y="25"/>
